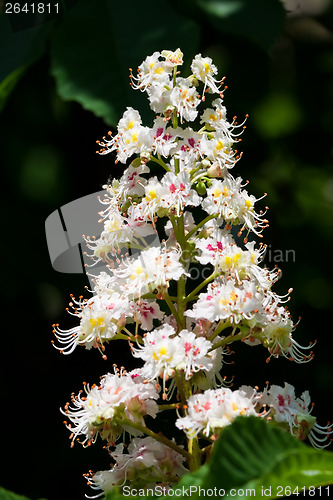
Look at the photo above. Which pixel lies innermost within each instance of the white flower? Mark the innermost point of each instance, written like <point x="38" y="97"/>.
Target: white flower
<point x="106" y="284"/>
<point x="179" y="192"/>
<point x="235" y="205"/>
<point x="145" y="311"/>
<point x="221" y="196"/>
<point x="216" y="118"/>
<point x="173" y="58"/>
<point x="130" y="137"/>
<point x="228" y="257"/>
<point x="295" y="414"/>
<point x="188" y="148"/>
<point x="228" y="301"/>
<point x="152" y="71"/>
<point x="277" y="336"/>
<point x="218" y="147"/>
<point x="184" y="98"/>
<point x="164" y="352"/>
<point x="119" y="232"/>
<point x="131" y="184"/>
<point x="160" y="352"/>
<point x="153" y="269"/>
<point x="212" y="410"/>
<point x="161" y="139"/>
<point x="204" y="70"/>
<point x="147" y="461"/>
<point x="246" y="213"/>
<point x="211" y="249"/>
<point x="170" y="195"/>
<point x="107" y="409"/>
<point x="159" y="96"/>
<point x="195" y="352"/>
<point x="100" y="318"/>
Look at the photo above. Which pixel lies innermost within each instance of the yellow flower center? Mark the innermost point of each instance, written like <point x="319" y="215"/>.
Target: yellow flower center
<point x="97" y="322"/>
<point x="231" y="261"/>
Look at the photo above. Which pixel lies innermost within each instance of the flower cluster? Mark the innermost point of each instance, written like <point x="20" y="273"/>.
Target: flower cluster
<point x="177" y="207"/>
<point x="146" y="463"/>
<point x="118" y="404"/>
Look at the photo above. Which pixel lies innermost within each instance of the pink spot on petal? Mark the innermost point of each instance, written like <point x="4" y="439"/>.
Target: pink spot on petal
<point x="188" y="347"/>
<point x="219" y="245"/>
<point x="281" y="400"/>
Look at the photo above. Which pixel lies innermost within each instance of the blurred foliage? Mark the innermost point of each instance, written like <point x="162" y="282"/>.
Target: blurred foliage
<point x="91" y="49"/>
<point x="279" y="70"/>
<point x="9" y="495"/>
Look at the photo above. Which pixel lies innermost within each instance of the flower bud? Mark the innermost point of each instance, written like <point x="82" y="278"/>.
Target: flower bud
<point x="136" y="163"/>
<point x="193" y="80"/>
<point x="201" y="188"/>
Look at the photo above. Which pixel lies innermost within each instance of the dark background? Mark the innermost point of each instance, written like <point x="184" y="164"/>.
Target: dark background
<point x="48" y="159"/>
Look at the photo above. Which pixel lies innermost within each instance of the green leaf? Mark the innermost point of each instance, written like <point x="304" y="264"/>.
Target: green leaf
<point x="18" y="50"/>
<point x="9" y="83"/>
<point x="261" y="21"/>
<point x="254" y="455"/>
<point x="94" y="47"/>
<point x="9" y="495"/>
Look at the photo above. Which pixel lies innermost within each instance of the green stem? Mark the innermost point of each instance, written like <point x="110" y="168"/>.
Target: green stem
<point x="184" y="388"/>
<point x="171" y="406"/>
<point x="181" y="286"/>
<point x="159" y="437"/>
<point x="160" y="162"/>
<point x="198" y="226"/>
<point x="147" y="296"/>
<point x="199" y="176"/>
<point x="174" y="76"/>
<point x="206" y="449"/>
<point x="195" y="170"/>
<point x="231" y="338"/>
<point x="194" y="460"/>
<point x="202" y="285"/>
<point x="220" y="327"/>
<point x="173" y="310"/>
<point x="181" y="232"/>
<point x="176" y="161"/>
<point x="174" y="226"/>
<point x="133" y="338"/>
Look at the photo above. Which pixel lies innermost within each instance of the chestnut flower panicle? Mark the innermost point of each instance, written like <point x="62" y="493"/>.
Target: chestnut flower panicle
<point x="177" y="209"/>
